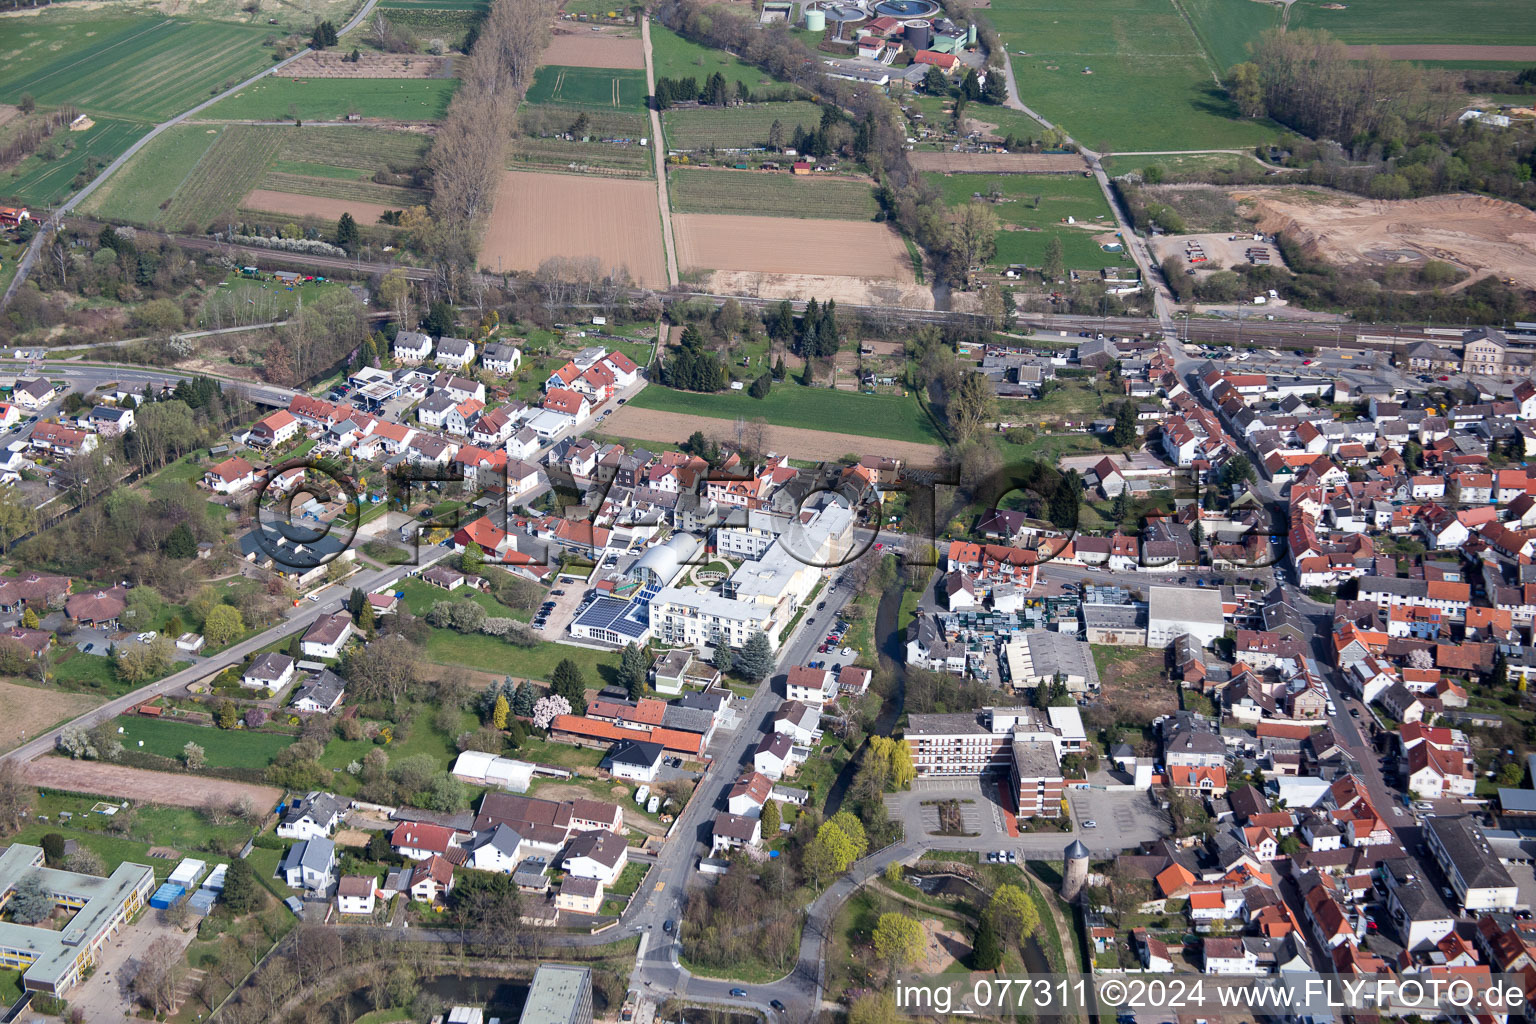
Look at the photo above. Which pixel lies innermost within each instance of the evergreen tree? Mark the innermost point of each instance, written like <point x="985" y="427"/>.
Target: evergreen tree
<point x="770" y="819"/>
<point x="568" y="682"/>
<point x="995" y="90"/>
<point x="355" y="601"/>
<point x="1054" y="265"/>
<point x="240" y="893"/>
<point x="439" y="320"/>
<point x="782" y="326"/>
<point x="780" y="371"/>
<point x="1124" y="433"/>
<point x="828" y="333"/>
<point x="986" y="953"/>
<point x="500" y="710"/>
<point x="724" y="658"/>
<point x="756" y="658"/>
<point x="776" y="135"/>
<point x="970" y="86"/>
<point x="632" y="671"/>
<point x="180" y="543"/>
<point x="346" y="232"/>
<point x="760" y="387"/>
<point x="523" y="699"/>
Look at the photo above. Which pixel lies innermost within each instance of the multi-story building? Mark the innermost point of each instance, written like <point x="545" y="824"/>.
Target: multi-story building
<point x="560" y="994"/>
<point x="1476" y="875"/>
<point x="1026" y="743"/>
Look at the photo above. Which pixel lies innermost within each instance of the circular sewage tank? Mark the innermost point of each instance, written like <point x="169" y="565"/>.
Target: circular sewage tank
<point x="839" y="13"/>
<point x="815" y="21"/>
<point x="907" y="8"/>
<point x="919" y="33"/>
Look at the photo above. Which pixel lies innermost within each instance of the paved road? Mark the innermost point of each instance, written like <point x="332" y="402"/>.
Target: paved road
<point x="296" y="620"/>
<point x="33" y="250"/>
<point x="659" y="152"/>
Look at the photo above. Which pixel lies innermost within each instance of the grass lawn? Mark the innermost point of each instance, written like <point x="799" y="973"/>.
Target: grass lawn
<point x="88" y="673"/>
<point x="423" y="738"/>
<point x="420" y="597"/>
<point x="1202" y="165"/>
<point x="560" y="755"/>
<point x="676" y="57"/>
<point x="1039" y="204"/>
<point x="134" y="193"/>
<point x="1151" y="86"/>
<point x="489" y="654"/>
<point x="189" y="175"/>
<point x="10" y="987"/>
<point x="331" y="99"/>
<point x="630" y="879"/>
<point x="1226" y="29"/>
<point x="818" y="773"/>
<point x="113" y="850"/>
<point x="791" y="405"/>
<point x="770" y="193"/>
<point x="182" y="827"/>
<point x="226" y="748"/>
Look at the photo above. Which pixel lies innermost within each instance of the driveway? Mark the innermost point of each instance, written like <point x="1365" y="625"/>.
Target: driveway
<point x="104" y="995"/>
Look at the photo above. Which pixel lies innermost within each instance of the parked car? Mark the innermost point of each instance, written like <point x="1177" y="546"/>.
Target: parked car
<point x="1090" y="823"/>
<point x="738" y="993"/>
<point x="776" y="1005"/>
<point x="668" y="926"/>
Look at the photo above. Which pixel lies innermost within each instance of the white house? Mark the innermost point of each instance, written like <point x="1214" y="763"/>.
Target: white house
<point x="310" y="864"/>
<point x="412" y="346"/>
<point x="355" y="895"/>
<point x="599" y="855"/>
<point x="813" y="686"/>
<point x="271" y="671"/>
<point x="314" y="816"/>
<point x="499" y="850"/>
<point x="773" y="755"/>
<point x="635" y="760"/>
<point x="748" y="795"/>
<point x="454" y="353"/>
<point x="230" y="476"/>
<point x="1229" y="956"/>
<point x="501" y="358"/>
<point x="732" y="832"/>
<point x="800" y="722"/>
<point x="327" y="636"/>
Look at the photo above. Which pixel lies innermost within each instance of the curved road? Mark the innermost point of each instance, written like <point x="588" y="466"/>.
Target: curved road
<point x="30" y="256"/>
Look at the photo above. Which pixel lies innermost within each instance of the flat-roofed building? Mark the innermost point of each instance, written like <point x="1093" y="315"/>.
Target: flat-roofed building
<point x="1026" y="743"/>
<point x="559" y="994"/>
<point x="1478" y="878"/>
<point x="1174" y="611"/>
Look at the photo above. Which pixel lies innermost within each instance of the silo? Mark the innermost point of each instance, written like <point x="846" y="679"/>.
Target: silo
<point x="815" y="21"/>
<point x="970" y="35"/>
<point x="920" y="34"/>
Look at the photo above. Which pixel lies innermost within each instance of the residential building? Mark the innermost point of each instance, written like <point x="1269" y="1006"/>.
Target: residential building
<point x="1475" y="872"/>
<point x="599" y="854"/>
<point x="270" y="671"/>
<point x="732" y="831"/>
<point x="355" y="894"/>
<point x="310" y="864"/>
<point x="327" y="635"/>
<point x="315" y="815"/>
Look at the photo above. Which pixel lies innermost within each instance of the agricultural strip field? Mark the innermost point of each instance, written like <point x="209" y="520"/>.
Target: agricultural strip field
<point x="1452" y="53"/>
<point x="676" y="57"/>
<point x="769" y="193"/>
<point x="615" y="147"/>
<point x="1151" y="85"/>
<point x="997" y="163"/>
<point x="48" y="182"/>
<point x="791" y="405"/>
<point x="295" y="205"/>
<point x="149" y="70"/>
<point x="539" y="216"/>
<point x="168" y="788"/>
<point x="327" y="187"/>
<point x="350" y="152"/>
<point x="1474" y="22"/>
<point x="188" y="177"/>
<point x="774" y="245"/>
<point x="391" y="99"/>
<point x="588" y="87"/>
<point x="30" y="710"/>
<point x="1040" y="203"/>
<point x="744" y="127"/>
<point x="592" y="50"/>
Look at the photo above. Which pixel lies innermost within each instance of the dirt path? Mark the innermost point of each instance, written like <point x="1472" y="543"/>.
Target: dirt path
<point x="795" y="442"/>
<point x="144" y="786"/>
<point x="659" y="152"/>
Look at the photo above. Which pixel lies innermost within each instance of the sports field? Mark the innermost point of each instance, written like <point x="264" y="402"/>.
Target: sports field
<point x="540" y="216"/>
<point x="1132" y="76"/>
<point x="770" y="194"/>
<point x="390" y="99"/>
<point x="1040" y="203"/>
<point x="142" y="68"/>
<point x="188" y="176"/>
<point x="791" y="405"/>
<point x="588" y="87"/>
<point x="1479" y="22"/>
<point x="46" y="182"/>
<point x="744" y="127"/>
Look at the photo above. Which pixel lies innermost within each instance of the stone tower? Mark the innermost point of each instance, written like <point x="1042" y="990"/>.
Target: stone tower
<point x="1075" y="871"/>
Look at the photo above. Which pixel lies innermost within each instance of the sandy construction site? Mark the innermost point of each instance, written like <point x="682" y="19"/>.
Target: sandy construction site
<point x="588" y="49"/>
<point x="1483" y="236"/>
<point x="295" y="205"/>
<point x="539" y="216"/>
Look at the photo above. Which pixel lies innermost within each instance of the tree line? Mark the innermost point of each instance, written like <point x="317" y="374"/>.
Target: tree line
<point x="715" y="92"/>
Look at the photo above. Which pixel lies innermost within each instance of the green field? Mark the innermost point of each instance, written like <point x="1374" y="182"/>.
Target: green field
<point x="1226" y="27"/>
<point x="332" y="187"/>
<point x="676" y="57"/>
<point x="189" y="176"/>
<point x="790" y="405"/>
<point x="1059" y="195"/>
<point x="350" y="152"/>
<point x="1151" y="86"/>
<point x="588" y="87"/>
<point x="530" y="153"/>
<point x="43" y="182"/>
<point x="148" y="68"/>
<point x="769" y="194"/>
<point x="744" y="127"/>
<point x="1197" y="164"/>
<point x="396" y="99"/>
<point x="1471" y="22"/>
<point x="226" y="748"/>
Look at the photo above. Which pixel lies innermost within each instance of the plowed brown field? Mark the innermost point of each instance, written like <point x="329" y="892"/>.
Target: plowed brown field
<point x="776" y="245"/>
<point x="997" y="163"/>
<point x="578" y="50"/>
<point x="538" y="216"/>
<point x="102" y="779"/>
<point x="313" y="206"/>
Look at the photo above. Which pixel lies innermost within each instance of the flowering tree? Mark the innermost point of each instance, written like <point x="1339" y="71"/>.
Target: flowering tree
<point x="548" y="708"/>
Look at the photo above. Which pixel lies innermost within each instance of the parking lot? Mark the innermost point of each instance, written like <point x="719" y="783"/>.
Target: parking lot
<point x="1123" y="817"/>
